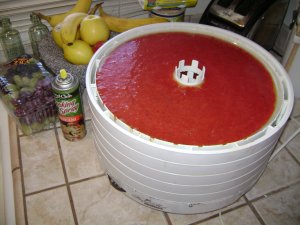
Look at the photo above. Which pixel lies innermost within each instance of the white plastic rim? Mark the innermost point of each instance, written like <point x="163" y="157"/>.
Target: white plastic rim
<point x="282" y="83"/>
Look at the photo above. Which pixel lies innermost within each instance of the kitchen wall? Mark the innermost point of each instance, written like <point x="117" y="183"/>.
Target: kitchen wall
<point x="19" y="12"/>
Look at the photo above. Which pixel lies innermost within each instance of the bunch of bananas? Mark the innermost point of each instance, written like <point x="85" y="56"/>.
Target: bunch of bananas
<point x="79" y="29"/>
<point x="80" y="6"/>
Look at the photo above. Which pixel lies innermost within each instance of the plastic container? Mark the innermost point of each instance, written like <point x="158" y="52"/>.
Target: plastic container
<point x="178" y="178"/>
<point x="25" y="90"/>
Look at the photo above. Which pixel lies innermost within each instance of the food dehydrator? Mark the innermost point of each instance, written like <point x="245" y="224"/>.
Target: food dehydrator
<point x="177" y="178"/>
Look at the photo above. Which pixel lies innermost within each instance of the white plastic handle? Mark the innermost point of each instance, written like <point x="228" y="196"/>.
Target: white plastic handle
<point x="189" y="75"/>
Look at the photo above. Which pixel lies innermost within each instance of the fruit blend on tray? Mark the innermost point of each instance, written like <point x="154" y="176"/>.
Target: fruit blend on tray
<point x="25" y="89"/>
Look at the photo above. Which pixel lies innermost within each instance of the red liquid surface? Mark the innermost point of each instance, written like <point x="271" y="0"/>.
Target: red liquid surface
<point x="236" y="99"/>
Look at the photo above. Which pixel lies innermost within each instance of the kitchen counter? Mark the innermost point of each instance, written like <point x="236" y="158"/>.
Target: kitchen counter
<point x="61" y="182"/>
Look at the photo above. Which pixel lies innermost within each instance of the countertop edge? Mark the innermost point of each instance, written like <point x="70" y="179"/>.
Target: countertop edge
<point x="7" y="182"/>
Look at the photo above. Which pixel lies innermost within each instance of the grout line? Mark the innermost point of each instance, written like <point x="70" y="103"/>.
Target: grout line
<point x="285" y="144"/>
<point x="16" y="168"/>
<point x="293" y="156"/>
<point x="253" y="209"/>
<point x="43" y="130"/>
<point x="167" y="218"/>
<point x="62" y="185"/>
<point x="22" y="179"/>
<point x="65" y="176"/>
<point x="217" y="214"/>
<point x="295" y="135"/>
<point x="295" y="120"/>
<point x="44" y="190"/>
<point x="205" y="220"/>
<point x="87" y="179"/>
<point x="268" y="194"/>
<point x="296" y="117"/>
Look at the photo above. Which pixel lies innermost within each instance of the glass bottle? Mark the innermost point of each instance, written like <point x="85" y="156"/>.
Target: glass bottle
<point x="11" y="40"/>
<point x="1" y="27"/>
<point x="36" y="32"/>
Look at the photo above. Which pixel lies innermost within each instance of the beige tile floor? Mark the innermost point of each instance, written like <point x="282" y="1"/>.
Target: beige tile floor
<point x="58" y="182"/>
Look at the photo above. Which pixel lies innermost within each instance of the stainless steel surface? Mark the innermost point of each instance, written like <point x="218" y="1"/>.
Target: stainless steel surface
<point x="229" y="13"/>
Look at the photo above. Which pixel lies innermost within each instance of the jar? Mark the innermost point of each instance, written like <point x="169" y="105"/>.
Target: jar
<point x="37" y="32"/>
<point x="11" y="40"/>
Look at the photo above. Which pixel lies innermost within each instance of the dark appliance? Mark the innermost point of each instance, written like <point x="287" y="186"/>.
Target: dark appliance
<point x="258" y="20"/>
<point x="239" y="16"/>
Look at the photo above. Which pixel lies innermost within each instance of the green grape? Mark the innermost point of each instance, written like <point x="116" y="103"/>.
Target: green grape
<point x="11" y="87"/>
<point x="27" y="89"/>
<point x="26" y="129"/>
<point x="14" y="94"/>
<point x="52" y="119"/>
<point x="26" y="81"/>
<point x="38" y="75"/>
<point x="11" y="96"/>
<point x="18" y="80"/>
<point x="7" y="100"/>
<point x="33" y="82"/>
<point x="46" y="123"/>
<point x="37" y="126"/>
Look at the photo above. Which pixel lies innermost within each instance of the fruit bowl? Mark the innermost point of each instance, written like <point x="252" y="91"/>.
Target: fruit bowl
<point x="25" y="90"/>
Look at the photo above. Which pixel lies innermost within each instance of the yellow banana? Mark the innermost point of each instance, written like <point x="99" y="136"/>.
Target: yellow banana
<point x="82" y="6"/>
<point x="55" y="32"/>
<point x="70" y="27"/>
<point x="118" y="24"/>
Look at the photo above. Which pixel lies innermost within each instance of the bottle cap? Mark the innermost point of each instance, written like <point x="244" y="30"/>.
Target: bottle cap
<point x="63" y="74"/>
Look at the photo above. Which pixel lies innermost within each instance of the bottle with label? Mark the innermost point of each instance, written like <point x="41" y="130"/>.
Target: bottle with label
<point x="66" y="90"/>
<point x="36" y="32"/>
<point x="11" y="40"/>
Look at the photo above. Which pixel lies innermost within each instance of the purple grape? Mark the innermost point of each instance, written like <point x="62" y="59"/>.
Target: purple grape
<point x="49" y="99"/>
<point x="25" y="95"/>
<point x="39" y="116"/>
<point x="19" y="112"/>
